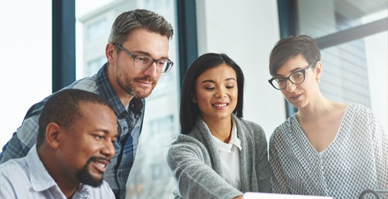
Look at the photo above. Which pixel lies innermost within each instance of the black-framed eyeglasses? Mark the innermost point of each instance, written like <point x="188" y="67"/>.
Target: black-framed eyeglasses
<point x="296" y="77"/>
<point x="144" y="62"/>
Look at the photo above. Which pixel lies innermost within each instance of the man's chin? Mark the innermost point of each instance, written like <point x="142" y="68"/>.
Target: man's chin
<point x="87" y="178"/>
<point x="142" y="94"/>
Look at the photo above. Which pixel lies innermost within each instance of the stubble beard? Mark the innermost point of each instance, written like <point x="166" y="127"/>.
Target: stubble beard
<point x="129" y="87"/>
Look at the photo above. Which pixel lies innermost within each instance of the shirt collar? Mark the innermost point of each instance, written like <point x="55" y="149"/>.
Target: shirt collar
<point x="234" y="140"/>
<point x="40" y="178"/>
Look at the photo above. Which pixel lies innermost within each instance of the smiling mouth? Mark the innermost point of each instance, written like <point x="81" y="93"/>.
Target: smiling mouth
<point x="220" y="105"/>
<point x="101" y="164"/>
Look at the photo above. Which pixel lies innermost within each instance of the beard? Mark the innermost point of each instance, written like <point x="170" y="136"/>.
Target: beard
<point x="128" y="86"/>
<point x="84" y="176"/>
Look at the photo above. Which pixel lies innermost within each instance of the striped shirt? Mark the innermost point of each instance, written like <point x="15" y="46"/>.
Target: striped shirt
<point x="356" y="160"/>
<point x="129" y="121"/>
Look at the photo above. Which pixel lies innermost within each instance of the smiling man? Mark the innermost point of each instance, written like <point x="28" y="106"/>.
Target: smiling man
<point x="77" y="130"/>
<point x="137" y="56"/>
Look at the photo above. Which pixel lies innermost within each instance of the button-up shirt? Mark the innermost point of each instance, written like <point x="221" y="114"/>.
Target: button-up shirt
<point x="129" y="121"/>
<point x="28" y="178"/>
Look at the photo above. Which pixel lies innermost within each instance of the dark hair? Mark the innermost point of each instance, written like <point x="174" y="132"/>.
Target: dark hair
<point x="189" y="111"/>
<point x="293" y="46"/>
<point x="139" y="18"/>
<point x="63" y="108"/>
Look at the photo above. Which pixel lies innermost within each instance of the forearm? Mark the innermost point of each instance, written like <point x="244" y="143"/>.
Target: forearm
<point x="195" y="178"/>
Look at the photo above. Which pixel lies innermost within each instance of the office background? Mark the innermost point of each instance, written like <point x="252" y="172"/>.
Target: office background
<point x="351" y="33"/>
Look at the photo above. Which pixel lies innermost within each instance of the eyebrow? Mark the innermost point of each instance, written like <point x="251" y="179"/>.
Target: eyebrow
<point x="295" y="69"/>
<point x="212" y="81"/>
<point x="147" y="54"/>
<point x="104" y="131"/>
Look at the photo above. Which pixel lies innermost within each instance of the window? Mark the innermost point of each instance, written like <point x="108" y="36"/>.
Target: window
<point x="97" y="29"/>
<point x="94" y="66"/>
<point x="354" y="70"/>
<point x="26" y="63"/>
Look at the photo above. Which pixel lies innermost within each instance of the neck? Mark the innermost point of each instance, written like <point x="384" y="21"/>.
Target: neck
<point x="124" y="97"/>
<point x="220" y="129"/>
<point x="64" y="180"/>
<point x="315" y="109"/>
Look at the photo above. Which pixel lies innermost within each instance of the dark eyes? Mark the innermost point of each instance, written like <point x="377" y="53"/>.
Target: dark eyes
<point x="212" y="88"/>
<point x="99" y="137"/>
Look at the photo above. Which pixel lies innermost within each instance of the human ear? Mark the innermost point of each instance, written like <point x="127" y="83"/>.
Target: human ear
<point x="52" y="136"/>
<point x="318" y="71"/>
<point x="193" y="97"/>
<point x="110" y="53"/>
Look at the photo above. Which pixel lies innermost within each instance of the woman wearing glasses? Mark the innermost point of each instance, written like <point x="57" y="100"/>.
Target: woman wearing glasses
<point x="326" y="148"/>
<point x="218" y="154"/>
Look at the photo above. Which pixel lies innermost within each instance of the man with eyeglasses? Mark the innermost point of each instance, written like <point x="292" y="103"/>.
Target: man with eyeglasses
<point x="137" y="55"/>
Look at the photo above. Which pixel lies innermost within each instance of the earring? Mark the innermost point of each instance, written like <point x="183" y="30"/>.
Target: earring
<point x="318" y="80"/>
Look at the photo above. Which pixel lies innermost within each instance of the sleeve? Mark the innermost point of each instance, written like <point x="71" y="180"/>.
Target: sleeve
<point x="380" y="145"/>
<point x="278" y="179"/>
<point x="25" y="136"/>
<point x="196" y="179"/>
<point x="263" y="174"/>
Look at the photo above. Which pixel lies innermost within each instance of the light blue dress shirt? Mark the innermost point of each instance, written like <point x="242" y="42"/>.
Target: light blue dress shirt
<point x="28" y="178"/>
<point x="129" y="125"/>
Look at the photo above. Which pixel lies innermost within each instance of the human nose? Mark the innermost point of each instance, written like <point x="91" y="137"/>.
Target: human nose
<point x="108" y="149"/>
<point x="290" y="86"/>
<point x="151" y="70"/>
<point x="220" y="93"/>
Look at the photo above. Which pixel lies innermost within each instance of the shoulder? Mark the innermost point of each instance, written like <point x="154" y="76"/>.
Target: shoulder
<point x="359" y="108"/>
<point x="187" y="147"/>
<point x="359" y="112"/>
<point x="14" y="170"/>
<point x="284" y="130"/>
<point x="87" y="84"/>
<point x="187" y="142"/>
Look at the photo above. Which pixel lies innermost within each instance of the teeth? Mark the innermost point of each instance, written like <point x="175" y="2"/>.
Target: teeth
<point x="102" y="165"/>
<point x="219" y="105"/>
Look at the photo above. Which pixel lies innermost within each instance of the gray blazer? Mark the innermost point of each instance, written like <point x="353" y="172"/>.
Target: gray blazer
<point x="196" y="166"/>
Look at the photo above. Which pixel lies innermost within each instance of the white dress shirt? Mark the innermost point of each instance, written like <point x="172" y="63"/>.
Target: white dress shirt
<point x="230" y="157"/>
<point x="28" y="178"/>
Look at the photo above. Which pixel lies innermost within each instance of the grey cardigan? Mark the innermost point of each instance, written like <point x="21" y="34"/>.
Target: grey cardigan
<point x="195" y="163"/>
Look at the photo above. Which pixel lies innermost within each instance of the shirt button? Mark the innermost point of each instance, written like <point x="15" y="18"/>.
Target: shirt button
<point x="125" y="128"/>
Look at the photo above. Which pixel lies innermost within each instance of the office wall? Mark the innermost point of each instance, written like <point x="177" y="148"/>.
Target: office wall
<point x="246" y="31"/>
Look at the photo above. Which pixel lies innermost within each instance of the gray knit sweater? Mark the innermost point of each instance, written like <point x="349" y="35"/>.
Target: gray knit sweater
<point x="196" y="166"/>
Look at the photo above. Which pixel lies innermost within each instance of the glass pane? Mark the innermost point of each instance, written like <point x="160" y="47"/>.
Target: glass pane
<point x="320" y="18"/>
<point x="150" y="176"/>
<point x="25" y="60"/>
<point x="355" y="71"/>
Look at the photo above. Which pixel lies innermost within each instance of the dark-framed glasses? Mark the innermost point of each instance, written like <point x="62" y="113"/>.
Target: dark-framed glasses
<point x="144" y="62"/>
<point x="296" y="77"/>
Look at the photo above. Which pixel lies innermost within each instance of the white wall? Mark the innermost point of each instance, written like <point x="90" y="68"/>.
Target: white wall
<point x="246" y="31"/>
<point x="25" y="54"/>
